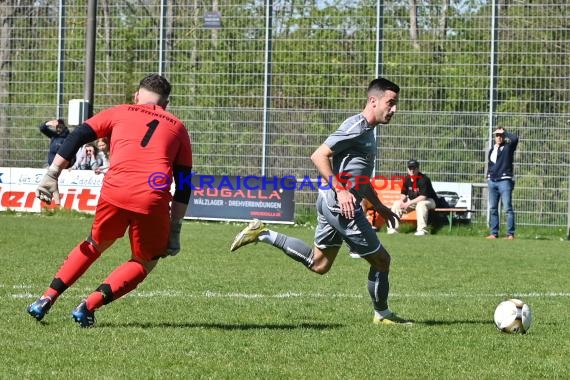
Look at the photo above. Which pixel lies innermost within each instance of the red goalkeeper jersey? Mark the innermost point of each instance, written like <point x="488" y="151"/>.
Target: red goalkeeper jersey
<point x="146" y="142"/>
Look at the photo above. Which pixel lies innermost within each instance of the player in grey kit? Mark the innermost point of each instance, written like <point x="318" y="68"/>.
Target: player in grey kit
<point x="340" y="217"/>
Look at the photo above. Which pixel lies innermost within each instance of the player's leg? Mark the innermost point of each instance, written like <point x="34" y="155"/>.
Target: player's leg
<point x="328" y="239"/>
<point x="78" y="261"/>
<point x="318" y="259"/>
<point x="121" y="281"/>
<point x="363" y="240"/>
<point x="494" y="195"/>
<point x="110" y="223"/>
<point x="148" y="235"/>
<point x="379" y="288"/>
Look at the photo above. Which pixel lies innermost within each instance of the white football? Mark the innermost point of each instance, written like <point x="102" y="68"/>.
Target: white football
<point x="513" y="316"/>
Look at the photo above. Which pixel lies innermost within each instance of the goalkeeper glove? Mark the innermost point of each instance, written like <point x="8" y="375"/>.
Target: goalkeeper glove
<point x="174" y="238"/>
<point x="47" y="189"/>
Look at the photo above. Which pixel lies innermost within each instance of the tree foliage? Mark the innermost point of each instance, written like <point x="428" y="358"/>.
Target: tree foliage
<point x="313" y="60"/>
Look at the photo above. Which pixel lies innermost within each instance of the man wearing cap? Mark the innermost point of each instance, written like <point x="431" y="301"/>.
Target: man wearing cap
<point x="57" y="131"/>
<point x="417" y="193"/>
<point x="500" y="181"/>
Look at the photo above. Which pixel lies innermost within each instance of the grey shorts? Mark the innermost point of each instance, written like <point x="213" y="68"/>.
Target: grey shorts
<point x="333" y="229"/>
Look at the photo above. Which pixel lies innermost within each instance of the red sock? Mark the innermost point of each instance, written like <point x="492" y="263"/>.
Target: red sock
<point x="76" y="263"/>
<point x="120" y="282"/>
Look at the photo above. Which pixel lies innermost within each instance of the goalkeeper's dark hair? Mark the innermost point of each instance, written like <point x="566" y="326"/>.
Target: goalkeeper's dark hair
<point x="382" y="85"/>
<point x="157" y="84"/>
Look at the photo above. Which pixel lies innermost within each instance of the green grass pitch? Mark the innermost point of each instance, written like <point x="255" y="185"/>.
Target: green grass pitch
<point x="256" y="314"/>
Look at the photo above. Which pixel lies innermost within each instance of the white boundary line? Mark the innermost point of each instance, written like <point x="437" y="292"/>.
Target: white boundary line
<point x="291" y="294"/>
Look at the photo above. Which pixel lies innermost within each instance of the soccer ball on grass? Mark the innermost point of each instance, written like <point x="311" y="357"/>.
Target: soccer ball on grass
<point x="513" y="316"/>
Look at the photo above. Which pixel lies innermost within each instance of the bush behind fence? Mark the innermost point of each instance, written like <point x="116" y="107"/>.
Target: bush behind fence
<point x="258" y="100"/>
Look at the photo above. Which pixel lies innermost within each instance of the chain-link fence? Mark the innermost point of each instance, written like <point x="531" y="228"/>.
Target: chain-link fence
<point x="262" y="89"/>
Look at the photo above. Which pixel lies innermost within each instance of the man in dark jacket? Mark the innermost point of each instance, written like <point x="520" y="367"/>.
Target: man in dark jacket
<point x="57" y="132"/>
<point x="500" y="181"/>
<point x="417" y="194"/>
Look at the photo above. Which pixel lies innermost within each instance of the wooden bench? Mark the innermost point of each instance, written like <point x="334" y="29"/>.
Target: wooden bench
<point x="450" y="212"/>
<point x="388" y="193"/>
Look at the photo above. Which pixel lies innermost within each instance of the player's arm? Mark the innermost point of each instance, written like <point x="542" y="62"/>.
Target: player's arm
<point x="371" y="196"/>
<point x="381" y="208"/>
<point x="48" y="189"/>
<point x="178" y="208"/>
<point x="182" y="192"/>
<point x="321" y="159"/>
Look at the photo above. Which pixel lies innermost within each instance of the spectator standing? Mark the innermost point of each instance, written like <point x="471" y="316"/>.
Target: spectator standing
<point x="500" y="181"/>
<point x="417" y="194"/>
<point x="57" y="131"/>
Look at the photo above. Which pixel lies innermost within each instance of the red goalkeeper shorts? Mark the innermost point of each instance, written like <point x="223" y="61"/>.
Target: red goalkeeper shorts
<point x="148" y="233"/>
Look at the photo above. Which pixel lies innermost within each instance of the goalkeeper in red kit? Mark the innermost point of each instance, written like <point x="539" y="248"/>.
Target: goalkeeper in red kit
<point x="149" y="147"/>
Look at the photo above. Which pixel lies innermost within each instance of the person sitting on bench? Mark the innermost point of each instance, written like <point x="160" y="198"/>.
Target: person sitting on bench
<point x="417" y="193"/>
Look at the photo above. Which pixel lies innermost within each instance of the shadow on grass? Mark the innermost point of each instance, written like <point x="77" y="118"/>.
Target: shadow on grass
<point x="224" y="326"/>
<point x="431" y="322"/>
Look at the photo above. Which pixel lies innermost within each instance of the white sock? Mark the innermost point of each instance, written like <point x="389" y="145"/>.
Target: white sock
<point x="268" y="237"/>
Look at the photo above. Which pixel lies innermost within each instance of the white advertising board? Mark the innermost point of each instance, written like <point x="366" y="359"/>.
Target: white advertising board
<point x="79" y="189"/>
<point x="457" y="194"/>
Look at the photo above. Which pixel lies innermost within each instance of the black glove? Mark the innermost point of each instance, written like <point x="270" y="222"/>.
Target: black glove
<point x="174" y="238"/>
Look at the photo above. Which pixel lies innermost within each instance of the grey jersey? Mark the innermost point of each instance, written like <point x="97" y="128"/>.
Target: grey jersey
<point x="354" y="151"/>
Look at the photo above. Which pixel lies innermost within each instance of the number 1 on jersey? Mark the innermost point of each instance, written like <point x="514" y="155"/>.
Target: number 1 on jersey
<point x="151" y="128"/>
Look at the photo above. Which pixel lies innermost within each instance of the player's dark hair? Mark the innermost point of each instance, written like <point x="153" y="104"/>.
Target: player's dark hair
<point x="382" y="85"/>
<point x="157" y="84"/>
